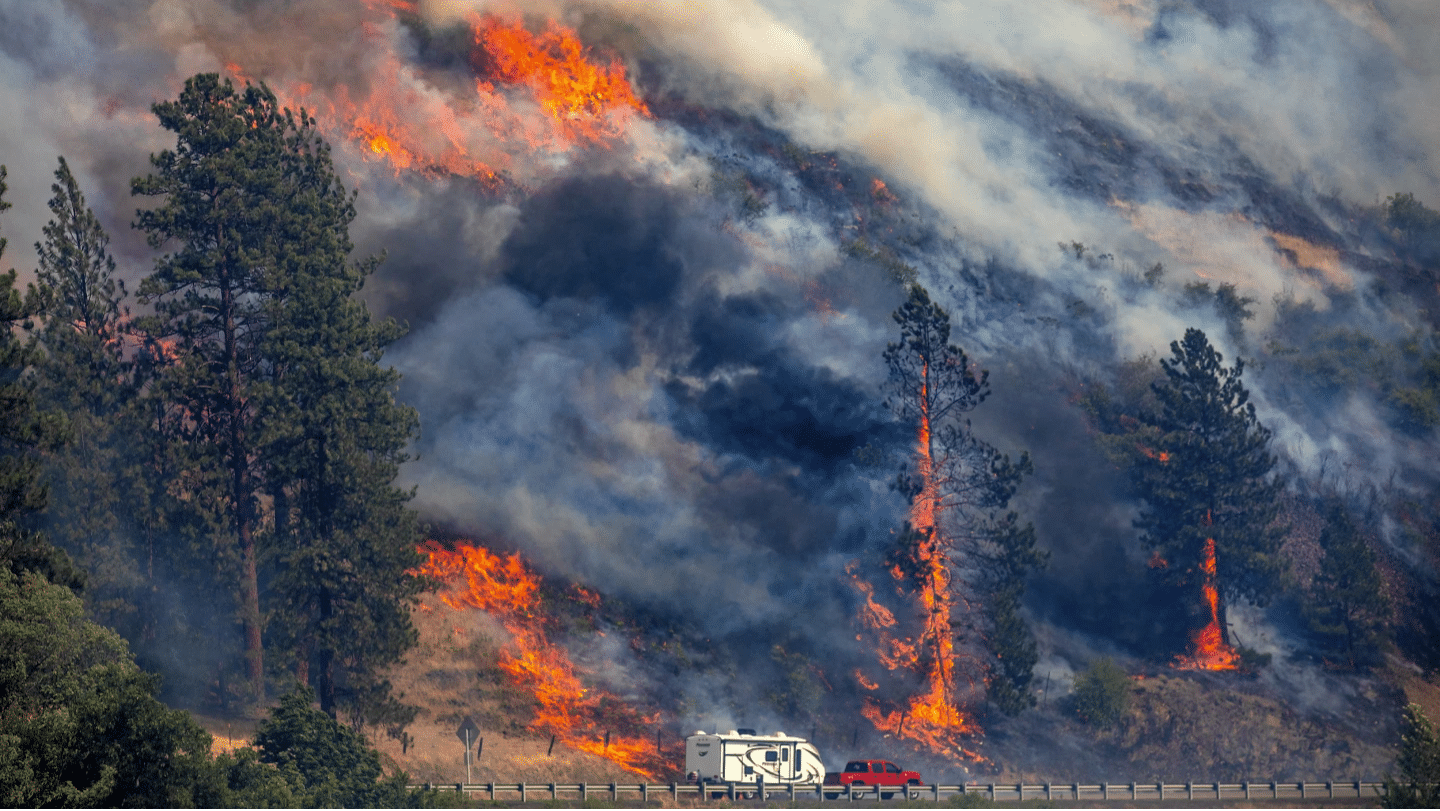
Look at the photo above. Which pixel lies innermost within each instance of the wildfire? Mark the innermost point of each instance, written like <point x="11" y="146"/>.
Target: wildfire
<point x="506" y="588"/>
<point x="1210" y="649"/>
<point x="541" y="94"/>
<point x="933" y="718"/>
<point x="587" y="102"/>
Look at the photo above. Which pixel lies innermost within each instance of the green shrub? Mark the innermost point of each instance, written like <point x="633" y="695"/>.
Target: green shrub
<point x="1102" y="694"/>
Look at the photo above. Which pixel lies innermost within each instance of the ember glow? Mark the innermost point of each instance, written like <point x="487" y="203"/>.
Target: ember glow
<point x="506" y="588"/>
<point x="1210" y="649"/>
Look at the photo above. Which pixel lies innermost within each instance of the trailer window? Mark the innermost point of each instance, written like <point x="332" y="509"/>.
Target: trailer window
<point x="798" y="752"/>
<point x="749" y="771"/>
<point x="785" y="755"/>
<point x="771" y="756"/>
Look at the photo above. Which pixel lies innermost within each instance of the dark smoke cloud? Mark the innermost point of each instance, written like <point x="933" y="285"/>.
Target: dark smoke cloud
<point x="602" y="405"/>
<point x="641" y="390"/>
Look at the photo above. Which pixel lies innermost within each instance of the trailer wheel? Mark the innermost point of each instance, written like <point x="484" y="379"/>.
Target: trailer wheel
<point x="832" y="795"/>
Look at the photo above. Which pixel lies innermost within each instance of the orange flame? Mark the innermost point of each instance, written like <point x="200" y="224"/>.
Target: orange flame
<point x="1210" y="650"/>
<point x="403" y="119"/>
<point x="587" y="102"/>
<point x="934" y="718"/>
<point x="506" y="588"/>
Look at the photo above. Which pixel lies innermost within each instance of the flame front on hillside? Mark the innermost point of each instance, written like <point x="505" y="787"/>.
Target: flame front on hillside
<point x="539" y="94"/>
<point x="506" y="588"/>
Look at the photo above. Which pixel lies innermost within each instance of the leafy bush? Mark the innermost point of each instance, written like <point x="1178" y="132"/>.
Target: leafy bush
<point x="1419" y="762"/>
<point x="1102" y="694"/>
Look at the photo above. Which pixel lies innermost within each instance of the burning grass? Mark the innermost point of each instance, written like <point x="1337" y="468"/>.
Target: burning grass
<point x="581" y="716"/>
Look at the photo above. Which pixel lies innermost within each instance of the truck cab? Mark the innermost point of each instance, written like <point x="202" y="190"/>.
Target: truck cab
<point x="878" y="773"/>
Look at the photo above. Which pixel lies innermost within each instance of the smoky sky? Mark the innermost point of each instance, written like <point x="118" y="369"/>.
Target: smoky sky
<point x="598" y="398"/>
<point x="648" y="365"/>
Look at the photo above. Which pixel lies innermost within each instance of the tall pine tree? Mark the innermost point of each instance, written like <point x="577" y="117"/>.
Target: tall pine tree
<point x="226" y="196"/>
<point x="26" y="432"/>
<point x="962" y="544"/>
<point x="1209" y="476"/>
<point x="86" y="377"/>
<point x="333" y="438"/>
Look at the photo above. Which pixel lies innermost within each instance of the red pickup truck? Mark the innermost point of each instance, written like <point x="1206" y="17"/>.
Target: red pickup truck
<point x="880" y="773"/>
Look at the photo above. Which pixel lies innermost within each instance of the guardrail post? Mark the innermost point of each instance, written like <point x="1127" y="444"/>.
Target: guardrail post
<point x="1189" y="789"/>
<point x="850" y="791"/>
<point x="992" y="792"/>
<point x="523" y="787"/>
<point x="1247" y="789"/>
<point x="1330" y="787"/>
<point x="1075" y="787"/>
<point x="1049" y="792"/>
<point x="1105" y="787"/>
<point x="459" y="789"/>
<point x="584" y="792"/>
<point x="1302" y="789"/>
<point x="491" y="786"/>
<point x="731" y="790"/>
<point x="614" y="793"/>
<point x="1160" y="789"/>
<point x="935" y="790"/>
<point x="1357" y="788"/>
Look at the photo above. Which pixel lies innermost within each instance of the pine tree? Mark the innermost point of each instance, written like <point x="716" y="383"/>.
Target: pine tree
<point x="26" y="432"/>
<point x="1349" y="605"/>
<point x="227" y="195"/>
<point x="333" y="438"/>
<point x="1209" y="477"/>
<point x="86" y="377"/>
<point x="959" y="485"/>
<point x="1010" y="559"/>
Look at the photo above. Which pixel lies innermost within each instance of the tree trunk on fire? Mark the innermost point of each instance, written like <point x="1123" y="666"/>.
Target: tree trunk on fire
<point x="1210" y="499"/>
<point x="958" y="486"/>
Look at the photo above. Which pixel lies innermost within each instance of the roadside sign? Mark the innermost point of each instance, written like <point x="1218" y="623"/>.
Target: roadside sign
<point x="469" y="731"/>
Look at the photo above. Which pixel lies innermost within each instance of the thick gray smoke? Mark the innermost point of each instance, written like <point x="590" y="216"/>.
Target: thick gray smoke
<point x="649" y="365"/>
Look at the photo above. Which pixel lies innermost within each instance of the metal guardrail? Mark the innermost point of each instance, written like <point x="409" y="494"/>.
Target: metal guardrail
<point x="996" y="792"/>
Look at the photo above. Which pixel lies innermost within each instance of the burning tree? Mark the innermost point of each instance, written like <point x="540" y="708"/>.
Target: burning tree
<point x="1210" y="499"/>
<point x="959" y="545"/>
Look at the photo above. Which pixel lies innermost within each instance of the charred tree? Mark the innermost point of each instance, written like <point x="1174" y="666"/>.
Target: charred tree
<point x="1210" y="496"/>
<point x="960" y="546"/>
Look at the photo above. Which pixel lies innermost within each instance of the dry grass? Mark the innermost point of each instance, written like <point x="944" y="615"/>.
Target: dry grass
<point x="451" y="674"/>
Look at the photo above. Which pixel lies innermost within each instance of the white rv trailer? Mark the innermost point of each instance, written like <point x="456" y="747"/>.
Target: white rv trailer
<point x="741" y="756"/>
